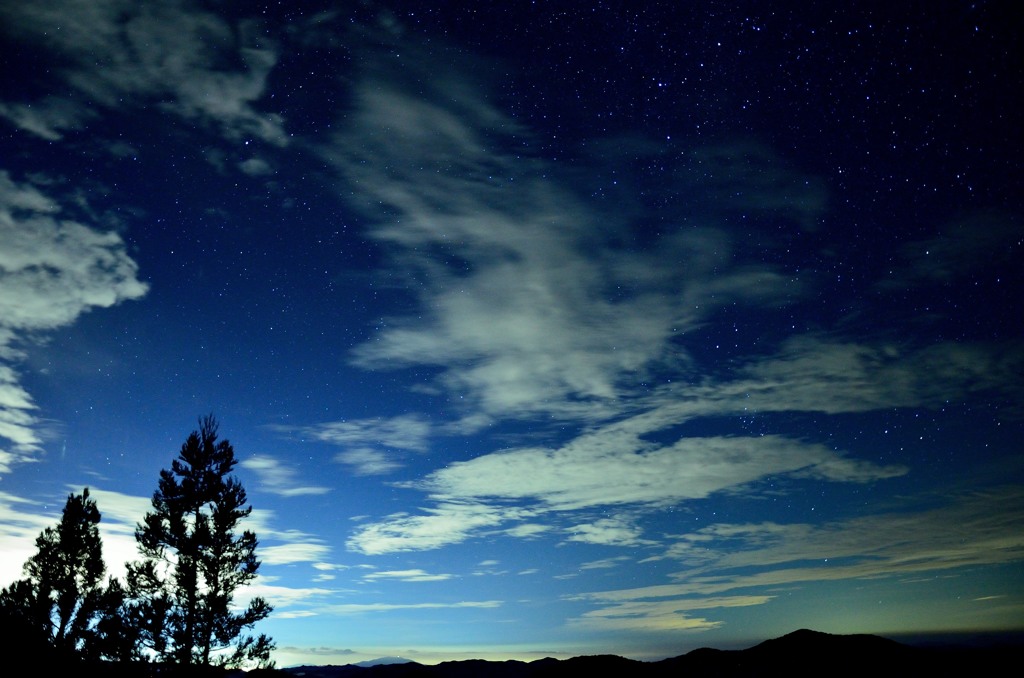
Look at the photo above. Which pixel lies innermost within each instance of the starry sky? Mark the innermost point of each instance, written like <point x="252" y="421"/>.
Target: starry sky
<point x="539" y="328"/>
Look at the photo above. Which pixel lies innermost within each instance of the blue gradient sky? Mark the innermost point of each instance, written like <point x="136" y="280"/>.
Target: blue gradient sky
<point x="538" y="330"/>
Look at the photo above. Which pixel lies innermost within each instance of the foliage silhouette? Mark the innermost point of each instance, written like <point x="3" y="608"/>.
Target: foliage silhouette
<point x="194" y="561"/>
<point x="61" y="601"/>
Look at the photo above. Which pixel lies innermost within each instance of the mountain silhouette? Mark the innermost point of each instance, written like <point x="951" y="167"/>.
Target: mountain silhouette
<point x="800" y="653"/>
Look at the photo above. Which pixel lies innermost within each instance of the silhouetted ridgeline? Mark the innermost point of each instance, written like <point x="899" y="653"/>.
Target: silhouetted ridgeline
<point x="797" y="654"/>
<point x="801" y="653"/>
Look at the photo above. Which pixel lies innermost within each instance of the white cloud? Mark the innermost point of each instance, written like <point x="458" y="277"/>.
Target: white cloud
<point x="293" y="552"/>
<point x="608" y="532"/>
<point x="972" y="529"/>
<point x="488" y="568"/>
<point x="362" y="608"/>
<point x="528" y="302"/>
<point x="276" y="478"/>
<point x="660" y="615"/>
<point x="614" y="466"/>
<point x="126" y="53"/>
<point x="282" y="597"/>
<point x="371" y="446"/>
<point x="256" y="167"/>
<point x="446" y="523"/>
<point x="975" y="529"/>
<point x="531" y="308"/>
<point x="406" y="432"/>
<point x="605" y="563"/>
<point x="414" y="575"/>
<point x="294" y="614"/>
<point x="813" y="373"/>
<point x="47" y="118"/>
<point x="332" y="567"/>
<point x="52" y="270"/>
<point x="367" y="462"/>
<point x="527" y="530"/>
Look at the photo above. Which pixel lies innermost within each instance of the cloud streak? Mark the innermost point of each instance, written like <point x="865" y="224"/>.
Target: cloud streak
<point x="530" y="306"/>
<point x="445" y="523"/>
<point x="533" y="306"/>
<point x="52" y="270"/>
<point x="170" y="54"/>
<point x="973" y="529"/>
<point x="276" y="478"/>
<point x="613" y="467"/>
<point x="371" y="447"/>
<point x="414" y="575"/>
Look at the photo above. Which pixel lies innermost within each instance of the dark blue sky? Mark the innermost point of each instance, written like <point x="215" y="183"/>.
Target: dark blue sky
<point x="538" y="329"/>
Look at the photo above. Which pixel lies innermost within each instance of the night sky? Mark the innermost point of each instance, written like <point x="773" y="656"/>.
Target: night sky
<point x="539" y="328"/>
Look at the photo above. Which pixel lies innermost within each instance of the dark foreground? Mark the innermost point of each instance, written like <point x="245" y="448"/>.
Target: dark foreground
<point x="801" y="653"/>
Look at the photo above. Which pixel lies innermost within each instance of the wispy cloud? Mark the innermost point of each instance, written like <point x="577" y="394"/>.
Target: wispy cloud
<point x="965" y="531"/>
<point x="528" y="303"/>
<point x="371" y="446"/>
<point x="415" y="575"/>
<point x="968" y="530"/>
<point x="363" y="608"/>
<point x="326" y="571"/>
<point x="52" y="270"/>
<point x="276" y="478"/>
<point x="527" y="530"/>
<point x="295" y="603"/>
<point x="605" y="563"/>
<point x="125" y="54"/>
<point x="531" y="307"/>
<point x="661" y="615"/>
<point x="815" y="374"/>
<point x="283" y="598"/>
<point x="47" y="118"/>
<point x="617" y="464"/>
<point x="295" y="552"/>
<point x="613" y="466"/>
<point x="256" y="167"/>
<point x="489" y="568"/>
<point x="446" y="523"/>
<point x="406" y="432"/>
<point x="619" y="531"/>
<point x="367" y="462"/>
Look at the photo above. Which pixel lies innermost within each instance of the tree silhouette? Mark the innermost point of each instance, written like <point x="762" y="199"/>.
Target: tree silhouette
<point x="61" y="599"/>
<point x="194" y="561"/>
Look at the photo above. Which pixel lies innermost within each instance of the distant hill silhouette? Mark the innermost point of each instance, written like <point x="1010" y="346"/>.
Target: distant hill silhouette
<point x="801" y="653"/>
<point x="383" y="660"/>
